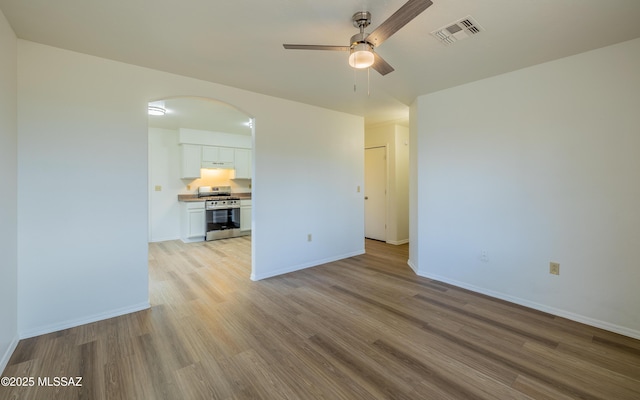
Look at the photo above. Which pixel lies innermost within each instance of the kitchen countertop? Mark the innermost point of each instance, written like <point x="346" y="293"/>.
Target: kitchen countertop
<point x="243" y="196"/>
<point x="193" y="198"/>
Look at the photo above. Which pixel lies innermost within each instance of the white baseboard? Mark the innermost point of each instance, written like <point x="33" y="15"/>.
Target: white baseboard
<point x="8" y="353"/>
<point x="413" y="267"/>
<point x="257" y="277"/>
<point x="167" y="239"/>
<point x="82" y="321"/>
<point x="537" y="306"/>
<point x="192" y="240"/>
<point x="398" y="242"/>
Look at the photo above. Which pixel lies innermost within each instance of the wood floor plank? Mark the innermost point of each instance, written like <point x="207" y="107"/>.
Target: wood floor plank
<point x="365" y="327"/>
<point x="592" y="379"/>
<point x="538" y="390"/>
<point x="202" y="381"/>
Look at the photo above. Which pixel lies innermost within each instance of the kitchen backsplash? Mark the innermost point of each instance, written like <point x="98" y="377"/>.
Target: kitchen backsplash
<point x="219" y="177"/>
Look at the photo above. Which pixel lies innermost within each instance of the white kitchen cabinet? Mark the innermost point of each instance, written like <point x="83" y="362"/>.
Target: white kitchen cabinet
<point x="191" y="161"/>
<point x="242" y="164"/>
<point x="245" y="215"/>
<point x="218" y="157"/>
<point x="192" y="221"/>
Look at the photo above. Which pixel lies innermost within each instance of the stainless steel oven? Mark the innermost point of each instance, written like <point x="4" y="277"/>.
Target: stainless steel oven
<point x="222" y="218"/>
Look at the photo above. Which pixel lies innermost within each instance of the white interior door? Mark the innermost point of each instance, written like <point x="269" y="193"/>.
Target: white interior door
<point x="375" y="193"/>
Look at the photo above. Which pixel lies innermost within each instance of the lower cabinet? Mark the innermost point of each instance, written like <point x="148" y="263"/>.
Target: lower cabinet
<point x="192" y="221"/>
<point x="245" y="215"/>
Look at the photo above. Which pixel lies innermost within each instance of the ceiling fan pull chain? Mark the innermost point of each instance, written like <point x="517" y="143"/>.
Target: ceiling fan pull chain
<point x="368" y="81"/>
<point x="354" y="80"/>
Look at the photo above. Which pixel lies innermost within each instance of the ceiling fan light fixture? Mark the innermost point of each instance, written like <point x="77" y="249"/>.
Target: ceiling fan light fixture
<point x="361" y="56"/>
<point x="361" y="46"/>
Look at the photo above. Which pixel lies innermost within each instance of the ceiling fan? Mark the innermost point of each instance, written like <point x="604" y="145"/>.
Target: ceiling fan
<point x="362" y="44"/>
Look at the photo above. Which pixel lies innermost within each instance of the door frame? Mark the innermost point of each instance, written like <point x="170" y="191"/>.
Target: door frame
<point x="386" y="183"/>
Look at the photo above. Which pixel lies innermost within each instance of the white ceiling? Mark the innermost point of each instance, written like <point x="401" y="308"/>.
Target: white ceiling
<point x="239" y="42"/>
<point x="202" y="114"/>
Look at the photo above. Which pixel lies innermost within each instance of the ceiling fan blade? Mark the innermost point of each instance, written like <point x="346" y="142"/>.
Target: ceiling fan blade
<point x="380" y="65"/>
<point x="400" y="18"/>
<point x="314" y="47"/>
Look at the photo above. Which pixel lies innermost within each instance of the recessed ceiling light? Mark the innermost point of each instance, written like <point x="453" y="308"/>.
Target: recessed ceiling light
<point x="155" y="110"/>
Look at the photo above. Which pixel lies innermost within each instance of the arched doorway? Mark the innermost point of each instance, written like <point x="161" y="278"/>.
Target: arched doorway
<point x="200" y="123"/>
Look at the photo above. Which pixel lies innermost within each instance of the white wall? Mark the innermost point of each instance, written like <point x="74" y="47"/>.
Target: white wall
<point x="82" y="214"/>
<point x="396" y="138"/>
<point x="164" y="171"/>
<point x="401" y="186"/>
<point x="8" y="193"/>
<point x="308" y="165"/>
<point x="416" y="163"/>
<point x="533" y="166"/>
<point x="83" y="124"/>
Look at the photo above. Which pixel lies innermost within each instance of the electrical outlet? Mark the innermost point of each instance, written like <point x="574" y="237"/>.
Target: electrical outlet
<point x="158" y="188"/>
<point x="358" y="190"/>
<point x="484" y="256"/>
<point x="308" y="237"/>
<point x="554" y="268"/>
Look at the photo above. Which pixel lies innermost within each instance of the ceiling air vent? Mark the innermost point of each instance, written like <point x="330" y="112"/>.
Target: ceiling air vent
<point x="458" y="30"/>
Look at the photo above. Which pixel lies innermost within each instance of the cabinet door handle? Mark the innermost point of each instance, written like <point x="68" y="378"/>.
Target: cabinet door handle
<point x="366" y="197"/>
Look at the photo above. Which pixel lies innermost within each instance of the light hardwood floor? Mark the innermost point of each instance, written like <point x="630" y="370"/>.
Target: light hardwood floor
<point x="361" y="328"/>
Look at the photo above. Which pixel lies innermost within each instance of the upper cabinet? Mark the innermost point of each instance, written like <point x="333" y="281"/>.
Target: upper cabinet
<point x="242" y="164"/>
<point x="217" y="157"/>
<point x="191" y="161"/>
<point x="214" y="150"/>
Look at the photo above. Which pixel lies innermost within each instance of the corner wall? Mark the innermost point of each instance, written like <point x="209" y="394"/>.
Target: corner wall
<point x="533" y="166"/>
<point x="8" y="193"/>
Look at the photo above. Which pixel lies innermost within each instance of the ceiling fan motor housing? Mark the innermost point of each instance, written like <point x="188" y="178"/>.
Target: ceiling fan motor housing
<point x="360" y="38"/>
<point x="361" y="19"/>
<point x="359" y="42"/>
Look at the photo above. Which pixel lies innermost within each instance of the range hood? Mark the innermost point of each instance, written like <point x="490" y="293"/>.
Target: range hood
<point x="217" y="165"/>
